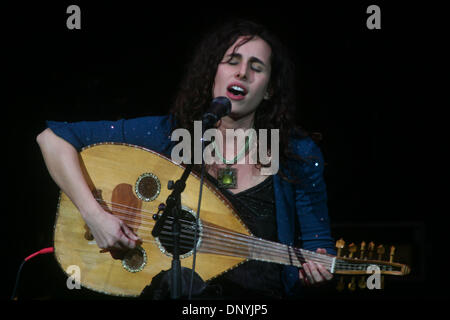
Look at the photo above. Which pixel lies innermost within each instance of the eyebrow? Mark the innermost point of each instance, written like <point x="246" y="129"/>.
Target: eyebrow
<point x="255" y="59"/>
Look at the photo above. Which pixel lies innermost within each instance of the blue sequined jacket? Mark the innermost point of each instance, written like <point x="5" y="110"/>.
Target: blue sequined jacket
<point x="301" y="208"/>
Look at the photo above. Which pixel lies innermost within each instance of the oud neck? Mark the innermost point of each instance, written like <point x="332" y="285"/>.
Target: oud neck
<point x="284" y="254"/>
<point x="253" y="248"/>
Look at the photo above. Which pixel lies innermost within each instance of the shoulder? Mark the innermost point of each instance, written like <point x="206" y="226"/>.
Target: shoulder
<point x="153" y="127"/>
<point x="305" y="147"/>
<point x="305" y="159"/>
<point x="152" y="132"/>
<point x="151" y="122"/>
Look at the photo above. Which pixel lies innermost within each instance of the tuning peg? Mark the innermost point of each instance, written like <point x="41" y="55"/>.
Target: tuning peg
<point x="340" y="285"/>
<point x="351" y="249"/>
<point x="362" y="282"/>
<point x="380" y="252"/>
<point x="391" y="254"/>
<point x="371" y="248"/>
<point x="352" y="284"/>
<point x="362" y="250"/>
<point x="340" y="245"/>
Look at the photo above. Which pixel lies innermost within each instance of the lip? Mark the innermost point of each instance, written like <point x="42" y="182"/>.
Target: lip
<point x="236" y="97"/>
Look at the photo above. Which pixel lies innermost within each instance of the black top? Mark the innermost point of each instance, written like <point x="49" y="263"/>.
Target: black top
<point x="253" y="279"/>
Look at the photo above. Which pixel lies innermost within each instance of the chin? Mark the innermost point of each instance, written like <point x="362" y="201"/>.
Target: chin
<point x="239" y="114"/>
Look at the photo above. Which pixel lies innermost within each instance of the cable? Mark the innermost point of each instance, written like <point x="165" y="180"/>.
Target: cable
<point x="16" y="285"/>
<point x="194" y="258"/>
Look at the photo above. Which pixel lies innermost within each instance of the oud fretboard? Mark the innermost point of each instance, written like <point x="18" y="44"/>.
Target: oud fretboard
<point x="221" y="241"/>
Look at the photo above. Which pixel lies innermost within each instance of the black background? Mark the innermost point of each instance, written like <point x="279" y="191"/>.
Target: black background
<point x="371" y="93"/>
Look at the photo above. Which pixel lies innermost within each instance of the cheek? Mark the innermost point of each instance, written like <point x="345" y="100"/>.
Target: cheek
<point x="218" y="80"/>
<point x="262" y="86"/>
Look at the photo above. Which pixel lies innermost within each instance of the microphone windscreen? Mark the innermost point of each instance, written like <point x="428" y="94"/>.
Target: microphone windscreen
<point x="220" y="106"/>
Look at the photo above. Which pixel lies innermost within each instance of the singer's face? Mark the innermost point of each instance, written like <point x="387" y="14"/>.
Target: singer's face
<point x="243" y="76"/>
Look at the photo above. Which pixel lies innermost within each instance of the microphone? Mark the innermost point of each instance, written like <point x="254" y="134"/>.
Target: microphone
<point x="220" y="107"/>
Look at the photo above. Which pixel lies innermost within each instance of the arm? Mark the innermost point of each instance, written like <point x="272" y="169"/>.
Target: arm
<point x="312" y="212"/>
<point x="62" y="162"/>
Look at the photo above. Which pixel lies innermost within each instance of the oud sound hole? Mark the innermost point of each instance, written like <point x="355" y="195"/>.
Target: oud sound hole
<point x="187" y="234"/>
<point x="147" y="187"/>
<point x="135" y="260"/>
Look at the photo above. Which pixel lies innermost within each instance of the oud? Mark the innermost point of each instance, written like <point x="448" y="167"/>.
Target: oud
<point x="130" y="183"/>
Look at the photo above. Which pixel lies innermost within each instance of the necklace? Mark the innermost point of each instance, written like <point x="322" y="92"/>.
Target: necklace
<point x="227" y="177"/>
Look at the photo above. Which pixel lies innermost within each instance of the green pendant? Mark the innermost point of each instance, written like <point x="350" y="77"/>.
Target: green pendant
<point x="227" y="178"/>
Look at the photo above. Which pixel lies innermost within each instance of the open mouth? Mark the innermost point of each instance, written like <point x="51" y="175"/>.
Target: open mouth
<point x="236" y="91"/>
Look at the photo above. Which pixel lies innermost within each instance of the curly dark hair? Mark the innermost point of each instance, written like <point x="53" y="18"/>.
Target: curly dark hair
<point x="195" y="93"/>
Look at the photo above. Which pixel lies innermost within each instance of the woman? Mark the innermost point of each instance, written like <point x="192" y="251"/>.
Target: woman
<point x="247" y="64"/>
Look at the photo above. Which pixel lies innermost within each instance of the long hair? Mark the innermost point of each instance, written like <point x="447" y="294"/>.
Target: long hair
<point x="195" y="93"/>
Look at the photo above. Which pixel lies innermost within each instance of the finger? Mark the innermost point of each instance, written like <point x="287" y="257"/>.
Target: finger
<point x="324" y="272"/>
<point x="129" y="233"/>
<point x="308" y="275"/>
<point x="317" y="277"/>
<point x="302" y="277"/>
<point x="125" y="242"/>
<point x="131" y="238"/>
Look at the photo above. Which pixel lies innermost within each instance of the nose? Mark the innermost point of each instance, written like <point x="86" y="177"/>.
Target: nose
<point x="241" y="76"/>
<point x="241" y="73"/>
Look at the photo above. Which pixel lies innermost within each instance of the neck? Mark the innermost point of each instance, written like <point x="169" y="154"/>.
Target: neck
<point x="228" y="122"/>
<point x="245" y="122"/>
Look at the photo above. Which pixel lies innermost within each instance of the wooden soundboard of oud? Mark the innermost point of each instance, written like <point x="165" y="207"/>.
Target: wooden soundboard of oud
<point x="105" y="167"/>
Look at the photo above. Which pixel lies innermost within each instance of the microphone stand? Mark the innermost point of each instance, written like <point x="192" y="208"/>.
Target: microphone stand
<point x="173" y="209"/>
<point x="221" y="106"/>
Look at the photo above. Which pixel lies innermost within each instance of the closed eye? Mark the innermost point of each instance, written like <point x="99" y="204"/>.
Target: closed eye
<point x="256" y="64"/>
<point x="234" y="60"/>
<point x="257" y="67"/>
